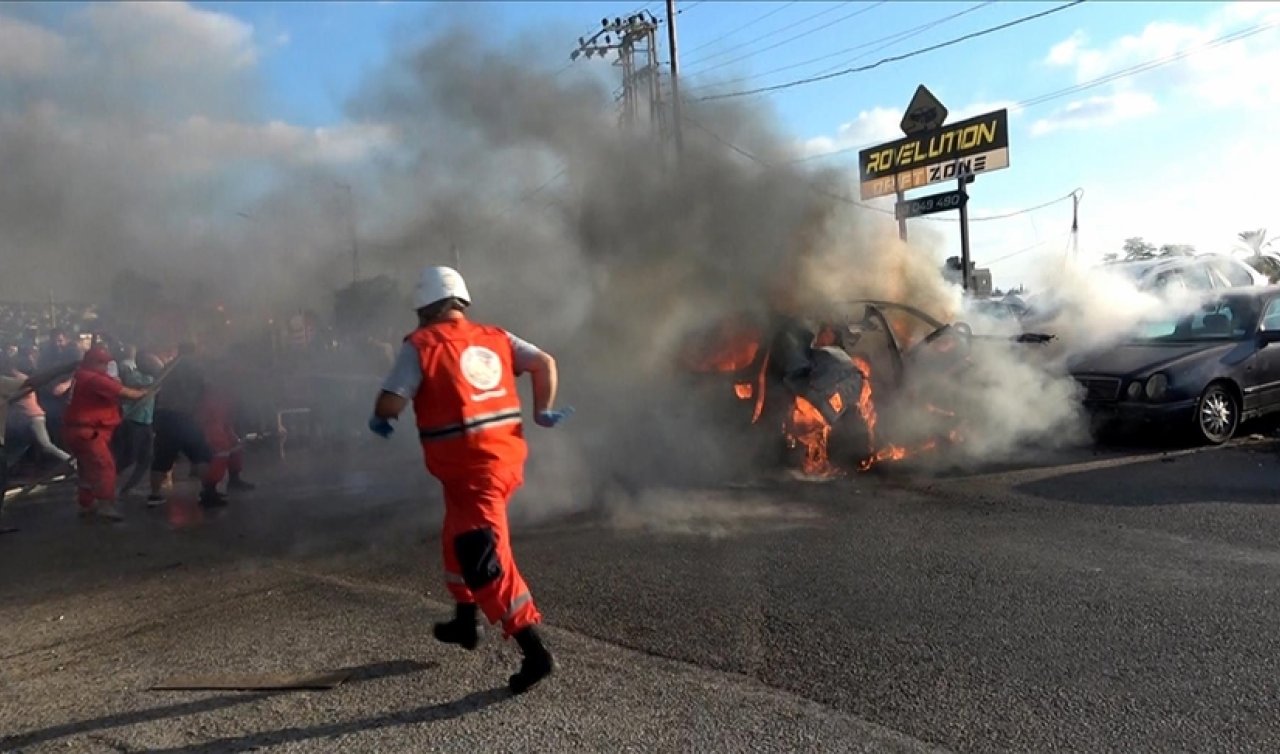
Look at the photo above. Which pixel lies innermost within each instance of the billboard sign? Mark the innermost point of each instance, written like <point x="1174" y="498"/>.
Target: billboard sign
<point x="977" y="145"/>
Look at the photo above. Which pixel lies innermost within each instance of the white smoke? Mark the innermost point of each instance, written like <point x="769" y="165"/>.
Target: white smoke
<point x="588" y="239"/>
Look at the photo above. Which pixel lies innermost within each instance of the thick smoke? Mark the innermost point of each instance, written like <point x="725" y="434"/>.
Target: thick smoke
<point x="619" y="249"/>
<point x="589" y="239"/>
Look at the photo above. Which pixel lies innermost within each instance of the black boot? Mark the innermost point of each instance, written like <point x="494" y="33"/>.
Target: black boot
<point x="538" y="662"/>
<point x="211" y="498"/>
<point x="240" y="485"/>
<point x="463" y="630"/>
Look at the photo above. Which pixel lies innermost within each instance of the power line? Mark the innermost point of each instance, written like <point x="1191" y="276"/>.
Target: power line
<point x="1225" y="39"/>
<point x="849" y="200"/>
<point x="789" y="40"/>
<point x="744" y="27"/>
<point x="1024" y="250"/>
<point x="767" y="34"/>
<point x="904" y="36"/>
<point x="1116" y="75"/>
<point x="894" y="58"/>
<point x="892" y="39"/>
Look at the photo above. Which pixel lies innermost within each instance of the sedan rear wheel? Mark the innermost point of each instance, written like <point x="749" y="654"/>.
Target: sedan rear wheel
<point x="1217" y="414"/>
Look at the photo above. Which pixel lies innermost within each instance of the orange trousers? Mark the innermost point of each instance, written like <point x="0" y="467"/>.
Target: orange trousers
<point x="479" y="567"/>
<point x="95" y="465"/>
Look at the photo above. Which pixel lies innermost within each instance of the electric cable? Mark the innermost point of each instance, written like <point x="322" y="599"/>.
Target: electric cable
<point x="766" y="35"/>
<point x="892" y="38"/>
<point x="893" y="58"/>
<point x="744" y="27"/>
<point x="789" y="40"/>
<point x="1116" y="75"/>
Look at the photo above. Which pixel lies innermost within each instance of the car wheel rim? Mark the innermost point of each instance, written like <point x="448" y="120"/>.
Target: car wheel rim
<point x="1216" y="414"/>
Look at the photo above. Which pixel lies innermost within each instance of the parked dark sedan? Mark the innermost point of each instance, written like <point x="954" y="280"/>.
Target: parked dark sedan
<point x="1208" y="370"/>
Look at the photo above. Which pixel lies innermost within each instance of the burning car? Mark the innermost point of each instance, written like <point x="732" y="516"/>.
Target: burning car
<point x="838" y="390"/>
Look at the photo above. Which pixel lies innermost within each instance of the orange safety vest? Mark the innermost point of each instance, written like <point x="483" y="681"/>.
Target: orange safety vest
<point x="467" y="407"/>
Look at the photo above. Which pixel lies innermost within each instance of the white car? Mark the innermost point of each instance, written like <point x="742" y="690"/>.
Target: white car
<point x="1205" y="272"/>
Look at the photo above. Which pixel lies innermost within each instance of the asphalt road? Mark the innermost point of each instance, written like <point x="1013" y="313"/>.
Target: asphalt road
<point x="1117" y="600"/>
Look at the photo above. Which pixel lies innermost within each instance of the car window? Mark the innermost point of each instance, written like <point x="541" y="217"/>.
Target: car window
<point x="1171" y="280"/>
<point x="1271" y="317"/>
<point x="1234" y="274"/>
<point x="1197" y="277"/>
<point x="1224" y="320"/>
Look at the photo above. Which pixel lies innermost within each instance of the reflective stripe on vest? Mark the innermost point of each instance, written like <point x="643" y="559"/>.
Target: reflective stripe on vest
<point x="477" y="423"/>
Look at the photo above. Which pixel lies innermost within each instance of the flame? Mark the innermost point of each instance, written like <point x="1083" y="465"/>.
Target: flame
<point x="760" y="383"/>
<point x="898" y="452"/>
<point x="732" y="347"/>
<point x="866" y="408"/>
<point x="806" y="428"/>
<point x="743" y="390"/>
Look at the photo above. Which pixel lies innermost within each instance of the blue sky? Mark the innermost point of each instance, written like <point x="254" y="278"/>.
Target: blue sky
<point x="317" y="55"/>
<point x="1171" y="154"/>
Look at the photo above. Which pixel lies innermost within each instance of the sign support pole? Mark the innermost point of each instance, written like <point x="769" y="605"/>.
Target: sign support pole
<point x="964" y="234"/>
<point x="902" y="221"/>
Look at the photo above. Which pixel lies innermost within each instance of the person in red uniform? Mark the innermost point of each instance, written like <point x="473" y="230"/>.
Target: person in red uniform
<point x="91" y="417"/>
<point x="461" y="378"/>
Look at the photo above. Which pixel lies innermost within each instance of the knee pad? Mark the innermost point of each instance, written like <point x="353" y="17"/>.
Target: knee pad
<point x="477" y="552"/>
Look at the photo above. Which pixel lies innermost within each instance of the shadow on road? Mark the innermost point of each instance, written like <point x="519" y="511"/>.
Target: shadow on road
<point x="432" y="714"/>
<point x="370" y="672"/>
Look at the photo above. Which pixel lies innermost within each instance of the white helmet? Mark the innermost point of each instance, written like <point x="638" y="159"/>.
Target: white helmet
<point x="437" y="284"/>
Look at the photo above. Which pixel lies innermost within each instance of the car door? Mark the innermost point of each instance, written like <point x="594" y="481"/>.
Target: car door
<point x="1267" y="377"/>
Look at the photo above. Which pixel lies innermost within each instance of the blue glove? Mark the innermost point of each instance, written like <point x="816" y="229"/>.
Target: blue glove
<point x="550" y="419"/>
<point x="380" y="426"/>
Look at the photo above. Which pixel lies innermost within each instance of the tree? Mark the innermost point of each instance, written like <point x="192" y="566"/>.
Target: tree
<point x="1110" y="257"/>
<point x="1177" y="250"/>
<point x="1256" y="241"/>
<point x="1138" y="248"/>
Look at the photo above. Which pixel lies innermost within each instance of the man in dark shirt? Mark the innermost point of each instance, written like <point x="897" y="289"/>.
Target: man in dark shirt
<point x="178" y="432"/>
<point x="53" y="397"/>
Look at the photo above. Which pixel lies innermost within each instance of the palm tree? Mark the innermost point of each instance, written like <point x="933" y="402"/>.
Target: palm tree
<point x="1256" y="241"/>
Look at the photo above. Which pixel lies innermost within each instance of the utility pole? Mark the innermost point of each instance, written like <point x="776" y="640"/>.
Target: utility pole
<point x="1075" y="226"/>
<point x="635" y="40"/>
<point x="961" y="183"/>
<point x="676" y="124"/>
<point x="902" y="218"/>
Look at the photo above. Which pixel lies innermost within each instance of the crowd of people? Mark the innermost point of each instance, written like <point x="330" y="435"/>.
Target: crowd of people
<point x="105" y="407"/>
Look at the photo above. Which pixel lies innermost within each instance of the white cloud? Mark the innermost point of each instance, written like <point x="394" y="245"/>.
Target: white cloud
<point x="283" y="39"/>
<point x="1102" y="110"/>
<point x="871" y="126"/>
<point x="1227" y="76"/>
<point x="28" y="50"/>
<point x="1067" y="50"/>
<point x="162" y="36"/>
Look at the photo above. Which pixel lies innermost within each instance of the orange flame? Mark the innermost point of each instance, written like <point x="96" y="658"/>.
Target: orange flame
<point x="732" y="347"/>
<point x="866" y="408"/>
<point x="743" y="390"/>
<point x="806" y="428"/>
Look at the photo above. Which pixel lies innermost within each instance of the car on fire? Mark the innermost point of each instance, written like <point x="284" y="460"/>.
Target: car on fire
<point x="1206" y="370"/>
<point x="835" y="383"/>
